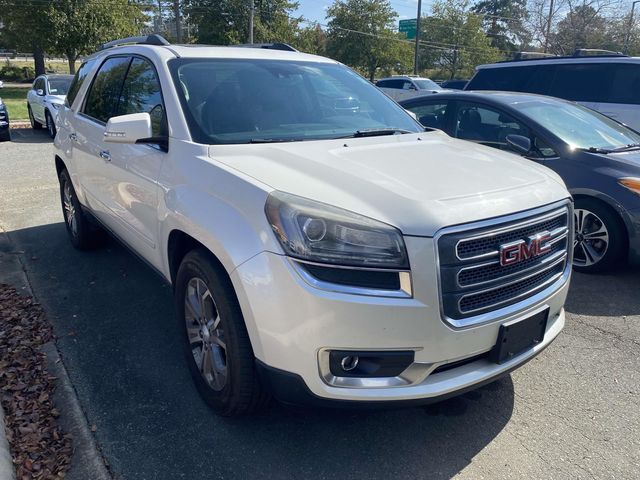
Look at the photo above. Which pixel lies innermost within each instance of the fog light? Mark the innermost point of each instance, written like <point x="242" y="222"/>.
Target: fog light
<point x="349" y="362"/>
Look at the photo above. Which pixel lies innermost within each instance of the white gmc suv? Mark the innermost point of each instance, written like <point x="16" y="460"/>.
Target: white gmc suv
<point x="322" y="246"/>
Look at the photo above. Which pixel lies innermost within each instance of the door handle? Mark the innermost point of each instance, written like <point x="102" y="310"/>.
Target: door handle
<point x="105" y="155"/>
<point x="73" y="137"/>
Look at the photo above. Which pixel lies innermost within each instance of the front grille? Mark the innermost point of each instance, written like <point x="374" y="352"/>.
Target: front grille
<point x="474" y="282"/>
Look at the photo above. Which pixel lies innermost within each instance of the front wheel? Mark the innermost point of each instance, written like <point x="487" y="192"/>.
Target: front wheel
<point x="51" y="125"/>
<point x="217" y="345"/>
<point x="600" y="237"/>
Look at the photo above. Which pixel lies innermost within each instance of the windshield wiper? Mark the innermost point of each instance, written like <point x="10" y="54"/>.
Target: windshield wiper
<point x="274" y="140"/>
<point x="625" y="148"/>
<point x="376" y="132"/>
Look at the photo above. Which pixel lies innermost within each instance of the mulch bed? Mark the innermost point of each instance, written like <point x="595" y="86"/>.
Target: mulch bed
<point x="39" y="449"/>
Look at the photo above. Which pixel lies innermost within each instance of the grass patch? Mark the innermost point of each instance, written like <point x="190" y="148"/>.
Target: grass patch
<point x="56" y="67"/>
<point x="15" y="98"/>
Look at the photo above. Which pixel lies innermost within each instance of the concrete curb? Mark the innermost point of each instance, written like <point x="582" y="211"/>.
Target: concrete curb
<point x="7" y="472"/>
<point x="86" y="461"/>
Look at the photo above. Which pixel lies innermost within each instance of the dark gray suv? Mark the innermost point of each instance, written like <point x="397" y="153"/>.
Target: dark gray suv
<point x="598" y="158"/>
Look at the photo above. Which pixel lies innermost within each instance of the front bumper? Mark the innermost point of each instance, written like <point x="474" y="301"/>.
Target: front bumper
<point x="292" y="323"/>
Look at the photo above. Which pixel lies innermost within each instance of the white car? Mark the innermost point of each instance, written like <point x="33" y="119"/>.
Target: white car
<point x="45" y="97"/>
<point x="607" y="82"/>
<point x="318" y="253"/>
<point x="402" y="87"/>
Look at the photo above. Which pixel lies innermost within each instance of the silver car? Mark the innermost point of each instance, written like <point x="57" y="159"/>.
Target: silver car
<point x="45" y="97"/>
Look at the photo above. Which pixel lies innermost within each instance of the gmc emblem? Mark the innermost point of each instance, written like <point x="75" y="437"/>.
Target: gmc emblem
<point x="515" y="252"/>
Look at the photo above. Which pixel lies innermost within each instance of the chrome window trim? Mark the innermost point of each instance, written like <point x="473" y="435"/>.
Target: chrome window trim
<point x="496" y="315"/>
<point x="405" y="291"/>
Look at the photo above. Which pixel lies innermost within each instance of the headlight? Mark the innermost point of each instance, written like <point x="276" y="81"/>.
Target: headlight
<point x="632" y="184"/>
<point x="318" y="232"/>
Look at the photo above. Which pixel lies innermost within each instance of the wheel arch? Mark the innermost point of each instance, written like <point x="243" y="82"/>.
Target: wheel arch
<point x="60" y="165"/>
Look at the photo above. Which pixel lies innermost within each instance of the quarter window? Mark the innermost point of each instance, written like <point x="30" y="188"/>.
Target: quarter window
<point x="141" y="94"/>
<point x="102" y="99"/>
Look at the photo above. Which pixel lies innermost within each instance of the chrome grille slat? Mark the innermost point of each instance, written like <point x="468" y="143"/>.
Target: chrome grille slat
<point x="472" y="280"/>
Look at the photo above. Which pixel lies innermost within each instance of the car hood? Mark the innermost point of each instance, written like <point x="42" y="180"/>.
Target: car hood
<point x="416" y="182"/>
<point x="59" y="99"/>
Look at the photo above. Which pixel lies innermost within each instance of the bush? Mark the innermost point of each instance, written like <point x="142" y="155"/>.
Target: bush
<point x="13" y="73"/>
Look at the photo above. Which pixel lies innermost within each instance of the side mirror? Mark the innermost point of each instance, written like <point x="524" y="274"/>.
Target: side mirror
<point x="128" y="128"/>
<point x="519" y="143"/>
<point x="40" y="92"/>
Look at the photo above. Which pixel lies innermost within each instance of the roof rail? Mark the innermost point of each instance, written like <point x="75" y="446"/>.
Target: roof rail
<point x="531" y="55"/>
<point x="595" y="52"/>
<point x="153" y="39"/>
<point x="270" y="46"/>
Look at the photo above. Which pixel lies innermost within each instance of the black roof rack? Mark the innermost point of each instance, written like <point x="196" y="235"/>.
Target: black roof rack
<point x="595" y="52"/>
<point x="153" y="39"/>
<point x="532" y="55"/>
<point x="581" y="52"/>
<point x="270" y="46"/>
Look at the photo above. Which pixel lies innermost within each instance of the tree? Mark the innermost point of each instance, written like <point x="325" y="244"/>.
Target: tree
<point x="311" y="39"/>
<point x="25" y="28"/>
<point x="226" y="22"/>
<point x="453" y="40"/>
<point x="504" y="22"/>
<point x="360" y="34"/>
<point x="80" y="26"/>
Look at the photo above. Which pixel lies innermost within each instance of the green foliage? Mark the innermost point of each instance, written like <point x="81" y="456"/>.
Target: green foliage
<point x="15" y="98"/>
<point x="379" y="48"/>
<point x="14" y="73"/>
<point x="504" y="22"/>
<point x="226" y="22"/>
<point x="81" y="26"/>
<point x="311" y="39"/>
<point x="454" y="40"/>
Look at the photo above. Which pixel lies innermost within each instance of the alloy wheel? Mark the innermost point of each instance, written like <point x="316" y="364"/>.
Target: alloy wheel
<point x="205" y="333"/>
<point x="591" y="240"/>
<point x="50" y="126"/>
<point x="69" y="209"/>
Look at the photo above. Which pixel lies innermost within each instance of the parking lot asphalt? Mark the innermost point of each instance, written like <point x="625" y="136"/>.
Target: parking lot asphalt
<point x="573" y="412"/>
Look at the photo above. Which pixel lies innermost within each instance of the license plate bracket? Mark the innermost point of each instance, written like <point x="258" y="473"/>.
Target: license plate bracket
<point x="518" y="335"/>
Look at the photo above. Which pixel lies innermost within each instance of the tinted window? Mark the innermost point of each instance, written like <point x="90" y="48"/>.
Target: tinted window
<point x="426" y="84"/>
<point x="383" y="83"/>
<point x="582" y="82"/>
<point x="77" y="81"/>
<point x="395" y="83"/>
<point x="141" y="94"/>
<point x="103" y="95"/>
<point x="486" y="125"/>
<point x="251" y="100"/>
<point x="431" y="114"/>
<point x="530" y="79"/>
<point x="625" y="84"/>
<point x="39" y="84"/>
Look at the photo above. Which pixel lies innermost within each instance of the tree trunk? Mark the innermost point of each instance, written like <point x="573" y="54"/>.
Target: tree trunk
<point x="38" y="60"/>
<point x="71" y="59"/>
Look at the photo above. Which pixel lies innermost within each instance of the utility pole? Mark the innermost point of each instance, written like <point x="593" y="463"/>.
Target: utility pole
<point x="160" y="16"/>
<point x="455" y="62"/>
<point x="546" y="36"/>
<point x="178" y="19"/>
<point x="626" y="40"/>
<point x="416" y="54"/>
<point x="251" y="10"/>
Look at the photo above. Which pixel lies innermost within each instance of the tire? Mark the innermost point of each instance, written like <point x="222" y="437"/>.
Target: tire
<point x="51" y="125"/>
<point x="5" y="136"/>
<point x="34" y="123"/>
<point x="225" y="377"/>
<point x="83" y="234"/>
<point x="600" y="240"/>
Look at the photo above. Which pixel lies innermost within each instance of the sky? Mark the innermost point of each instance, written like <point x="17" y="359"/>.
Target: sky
<point x="315" y="9"/>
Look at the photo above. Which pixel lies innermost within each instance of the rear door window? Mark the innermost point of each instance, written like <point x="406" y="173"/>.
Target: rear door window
<point x="625" y="86"/>
<point x="102" y="99"/>
<point x="583" y="82"/>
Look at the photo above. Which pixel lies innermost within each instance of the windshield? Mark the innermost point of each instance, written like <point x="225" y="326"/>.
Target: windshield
<point x="426" y="84"/>
<point x="578" y="126"/>
<point x="59" y="86"/>
<point x="248" y="100"/>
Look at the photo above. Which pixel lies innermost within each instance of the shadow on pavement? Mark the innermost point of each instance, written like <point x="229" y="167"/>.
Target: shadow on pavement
<point x="618" y="293"/>
<point x="28" y="135"/>
<point x="119" y="340"/>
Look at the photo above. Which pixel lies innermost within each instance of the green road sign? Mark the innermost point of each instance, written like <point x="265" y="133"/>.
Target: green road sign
<point x="408" y="27"/>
